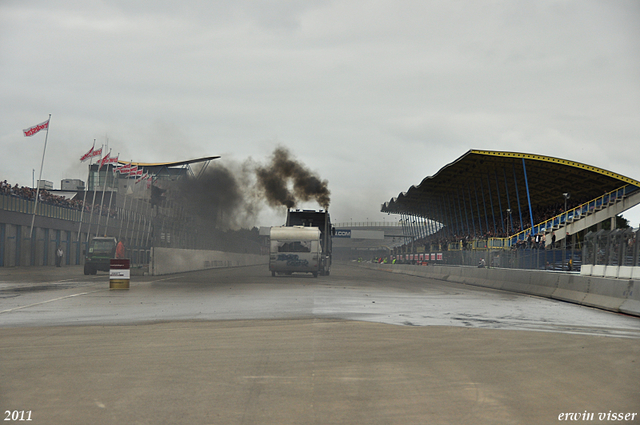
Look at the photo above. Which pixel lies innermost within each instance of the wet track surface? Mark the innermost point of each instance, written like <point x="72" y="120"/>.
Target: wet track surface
<point x="47" y="297"/>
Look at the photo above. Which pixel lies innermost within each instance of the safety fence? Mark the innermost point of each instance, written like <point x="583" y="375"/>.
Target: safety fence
<point x="530" y="259"/>
<point x="619" y="247"/>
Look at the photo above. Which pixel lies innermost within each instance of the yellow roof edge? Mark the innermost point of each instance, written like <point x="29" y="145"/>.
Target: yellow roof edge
<point x="554" y="160"/>
<point x="168" y="164"/>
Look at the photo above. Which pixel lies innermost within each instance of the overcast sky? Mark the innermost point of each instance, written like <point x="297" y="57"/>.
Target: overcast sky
<point x="371" y="95"/>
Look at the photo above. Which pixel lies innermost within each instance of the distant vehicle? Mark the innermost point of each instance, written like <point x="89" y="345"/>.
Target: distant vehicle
<point x="295" y="249"/>
<point x="321" y="220"/>
<point x="98" y="256"/>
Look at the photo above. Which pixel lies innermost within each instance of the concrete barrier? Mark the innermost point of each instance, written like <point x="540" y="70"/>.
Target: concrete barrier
<point x="632" y="304"/>
<point x="572" y="288"/>
<point x="171" y="260"/>
<point x="608" y="294"/>
<point x="620" y="272"/>
<point x="614" y="294"/>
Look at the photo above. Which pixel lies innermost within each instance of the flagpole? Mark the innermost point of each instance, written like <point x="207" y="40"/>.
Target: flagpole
<point x="93" y="201"/>
<point x="124" y="207"/>
<point x="106" y="177"/>
<point x="106" y="225"/>
<point x="84" y="199"/>
<point x="35" y="207"/>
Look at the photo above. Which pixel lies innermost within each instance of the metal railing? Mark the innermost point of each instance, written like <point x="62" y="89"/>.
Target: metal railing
<point x="576" y="213"/>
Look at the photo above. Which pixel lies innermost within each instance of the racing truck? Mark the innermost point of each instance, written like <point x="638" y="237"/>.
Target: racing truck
<point x="98" y="256"/>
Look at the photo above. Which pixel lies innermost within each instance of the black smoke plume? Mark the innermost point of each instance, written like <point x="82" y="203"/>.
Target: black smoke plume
<point x="230" y="195"/>
<point x="282" y="172"/>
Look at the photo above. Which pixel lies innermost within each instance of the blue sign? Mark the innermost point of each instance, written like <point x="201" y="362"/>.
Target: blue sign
<point x="343" y="233"/>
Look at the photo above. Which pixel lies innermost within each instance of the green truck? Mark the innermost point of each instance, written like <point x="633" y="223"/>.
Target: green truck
<point x="101" y="251"/>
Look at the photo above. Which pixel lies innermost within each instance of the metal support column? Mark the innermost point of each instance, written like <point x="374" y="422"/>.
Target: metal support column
<point x="453" y="212"/>
<point x="515" y="180"/>
<point x="493" y="212"/>
<point x="484" y="204"/>
<point x="502" y="226"/>
<point x="506" y="186"/>
<point x="526" y="182"/>
<point x="475" y="190"/>
<point x="466" y="222"/>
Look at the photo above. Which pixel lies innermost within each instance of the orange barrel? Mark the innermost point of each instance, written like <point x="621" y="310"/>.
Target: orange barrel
<point x="119" y="273"/>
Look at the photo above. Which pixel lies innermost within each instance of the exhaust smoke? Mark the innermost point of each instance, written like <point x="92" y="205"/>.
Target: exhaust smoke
<point x="282" y="171"/>
<point x="230" y="196"/>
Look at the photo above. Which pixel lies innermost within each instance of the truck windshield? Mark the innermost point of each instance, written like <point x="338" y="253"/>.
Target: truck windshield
<point x="102" y="245"/>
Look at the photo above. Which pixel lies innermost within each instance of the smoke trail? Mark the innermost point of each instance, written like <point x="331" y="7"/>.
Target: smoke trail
<point x="219" y="196"/>
<point x="231" y="195"/>
<point x="274" y="179"/>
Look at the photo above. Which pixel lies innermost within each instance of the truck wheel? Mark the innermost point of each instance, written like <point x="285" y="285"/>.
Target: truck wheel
<point x="273" y="274"/>
<point x="87" y="269"/>
<point x="315" y="274"/>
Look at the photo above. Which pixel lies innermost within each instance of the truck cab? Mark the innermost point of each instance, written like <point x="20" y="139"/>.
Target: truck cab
<point x="99" y="254"/>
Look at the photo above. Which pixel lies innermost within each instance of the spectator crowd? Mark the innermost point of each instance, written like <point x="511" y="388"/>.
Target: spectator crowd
<point x="443" y="237"/>
<point x="46" y="197"/>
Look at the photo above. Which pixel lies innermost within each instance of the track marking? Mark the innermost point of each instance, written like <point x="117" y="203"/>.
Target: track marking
<point x="49" y="301"/>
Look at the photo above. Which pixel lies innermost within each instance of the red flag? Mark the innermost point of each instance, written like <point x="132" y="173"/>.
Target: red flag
<point x="87" y="155"/>
<point x="124" y="169"/>
<point x="104" y="160"/>
<point x="139" y="179"/>
<point x="33" y="130"/>
<point x="96" y="153"/>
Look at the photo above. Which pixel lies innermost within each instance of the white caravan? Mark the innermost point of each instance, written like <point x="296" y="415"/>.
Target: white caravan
<point x="295" y="249"/>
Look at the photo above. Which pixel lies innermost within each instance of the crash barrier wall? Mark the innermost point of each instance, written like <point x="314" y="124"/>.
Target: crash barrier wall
<point x="614" y="272"/>
<point x="174" y="260"/>
<point x="619" y="295"/>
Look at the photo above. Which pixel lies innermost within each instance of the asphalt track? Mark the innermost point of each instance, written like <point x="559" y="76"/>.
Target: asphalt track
<point x="236" y="346"/>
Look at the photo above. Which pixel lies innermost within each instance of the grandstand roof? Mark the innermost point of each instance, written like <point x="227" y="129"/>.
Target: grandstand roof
<point x="488" y="180"/>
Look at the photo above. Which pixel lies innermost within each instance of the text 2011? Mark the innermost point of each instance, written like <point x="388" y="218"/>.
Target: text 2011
<point x="17" y="415"/>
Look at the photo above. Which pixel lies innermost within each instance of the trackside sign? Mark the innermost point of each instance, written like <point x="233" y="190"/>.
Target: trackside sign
<point x="343" y="233"/>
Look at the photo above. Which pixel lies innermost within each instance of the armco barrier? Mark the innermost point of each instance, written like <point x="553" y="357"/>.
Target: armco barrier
<point x="172" y="260"/>
<point x="619" y="295"/>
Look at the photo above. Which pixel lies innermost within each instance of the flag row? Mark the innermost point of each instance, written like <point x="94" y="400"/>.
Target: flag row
<point x="124" y="169"/>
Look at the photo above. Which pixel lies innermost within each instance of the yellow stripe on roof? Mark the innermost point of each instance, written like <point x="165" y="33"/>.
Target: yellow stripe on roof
<point x="169" y="164"/>
<point x="561" y="161"/>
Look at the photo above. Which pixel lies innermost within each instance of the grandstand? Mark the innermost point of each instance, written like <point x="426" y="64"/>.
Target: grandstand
<point x="504" y="200"/>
